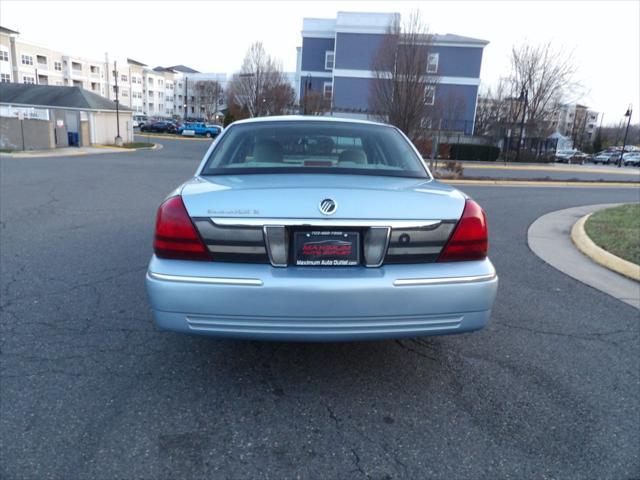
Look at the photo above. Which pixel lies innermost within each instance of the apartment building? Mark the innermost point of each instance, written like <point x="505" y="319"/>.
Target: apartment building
<point x="571" y="120"/>
<point x="173" y="91"/>
<point x="143" y="89"/>
<point x="576" y="121"/>
<point x="337" y="54"/>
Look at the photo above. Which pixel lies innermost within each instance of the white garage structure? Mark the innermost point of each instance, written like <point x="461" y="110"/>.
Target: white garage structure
<point x="34" y="117"/>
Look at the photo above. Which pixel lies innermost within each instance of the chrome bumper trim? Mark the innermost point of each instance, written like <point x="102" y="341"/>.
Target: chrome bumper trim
<point x="410" y="282"/>
<point x="322" y="222"/>
<point x="251" y="282"/>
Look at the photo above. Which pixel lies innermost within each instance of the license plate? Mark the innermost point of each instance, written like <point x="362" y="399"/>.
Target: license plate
<point x="326" y="248"/>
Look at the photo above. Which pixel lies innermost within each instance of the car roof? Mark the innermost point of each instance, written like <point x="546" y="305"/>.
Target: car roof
<point x="308" y="118"/>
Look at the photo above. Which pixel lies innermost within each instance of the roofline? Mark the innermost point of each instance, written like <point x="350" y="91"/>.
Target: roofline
<point x="32" y="105"/>
<point x="9" y="31"/>
<point x="136" y="62"/>
<point x="311" y="118"/>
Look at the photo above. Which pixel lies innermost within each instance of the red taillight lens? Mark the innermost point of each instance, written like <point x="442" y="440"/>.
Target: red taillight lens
<point x="176" y="237"/>
<point x="470" y="239"/>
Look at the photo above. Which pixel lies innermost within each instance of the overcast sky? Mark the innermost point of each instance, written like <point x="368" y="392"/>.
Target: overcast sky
<point x="604" y="36"/>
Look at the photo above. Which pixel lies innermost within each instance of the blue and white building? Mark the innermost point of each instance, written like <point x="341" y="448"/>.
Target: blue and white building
<point x="336" y="57"/>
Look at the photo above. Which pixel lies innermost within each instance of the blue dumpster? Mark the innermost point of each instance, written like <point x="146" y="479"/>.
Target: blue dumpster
<point x="74" y="139"/>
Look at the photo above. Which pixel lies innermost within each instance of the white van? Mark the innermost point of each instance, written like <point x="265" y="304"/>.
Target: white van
<point x="139" y="120"/>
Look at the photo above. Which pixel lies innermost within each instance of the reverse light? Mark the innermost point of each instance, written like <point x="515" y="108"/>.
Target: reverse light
<point x="175" y="235"/>
<point x="470" y="238"/>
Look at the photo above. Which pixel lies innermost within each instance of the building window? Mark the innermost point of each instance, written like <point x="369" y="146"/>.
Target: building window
<point x="42" y="60"/>
<point x="27" y="59"/>
<point x="27" y="79"/>
<point x="57" y="66"/>
<point x="124" y="78"/>
<point x="329" y="60"/>
<point x="4" y="56"/>
<point x="327" y="90"/>
<point x="432" y="63"/>
<point x="5" y="78"/>
<point x="125" y="93"/>
<point x="429" y="95"/>
<point x="426" y="123"/>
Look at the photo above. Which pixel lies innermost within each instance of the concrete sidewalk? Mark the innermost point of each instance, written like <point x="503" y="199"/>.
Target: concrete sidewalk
<point x="549" y="238"/>
<point x="75" y="151"/>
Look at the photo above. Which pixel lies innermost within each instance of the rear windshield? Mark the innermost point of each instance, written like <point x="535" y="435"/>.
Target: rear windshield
<point x="314" y="147"/>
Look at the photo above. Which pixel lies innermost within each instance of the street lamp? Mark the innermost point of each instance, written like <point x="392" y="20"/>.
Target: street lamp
<point x="307" y="87"/>
<point x="118" y="137"/>
<point x="524" y="95"/>
<point x="624" y="142"/>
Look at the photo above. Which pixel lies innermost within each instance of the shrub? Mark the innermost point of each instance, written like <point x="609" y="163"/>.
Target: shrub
<point x="454" y="168"/>
<point x="463" y="151"/>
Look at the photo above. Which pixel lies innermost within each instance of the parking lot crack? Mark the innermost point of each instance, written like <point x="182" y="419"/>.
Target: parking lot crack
<point x="597" y="336"/>
<point x="359" y="468"/>
<point x="415" y="351"/>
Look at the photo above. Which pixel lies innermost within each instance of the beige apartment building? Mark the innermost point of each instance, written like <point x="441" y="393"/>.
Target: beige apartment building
<point x="140" y="88"/>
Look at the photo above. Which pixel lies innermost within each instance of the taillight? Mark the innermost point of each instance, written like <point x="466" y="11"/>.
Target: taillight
<point x="175" y="236"/>
<point x="470" y="239"/>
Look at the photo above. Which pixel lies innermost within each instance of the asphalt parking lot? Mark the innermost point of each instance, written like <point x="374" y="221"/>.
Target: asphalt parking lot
<point x="89" y="388"/>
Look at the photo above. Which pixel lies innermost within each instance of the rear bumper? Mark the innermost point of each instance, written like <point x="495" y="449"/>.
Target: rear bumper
<point x="251" y="301"/>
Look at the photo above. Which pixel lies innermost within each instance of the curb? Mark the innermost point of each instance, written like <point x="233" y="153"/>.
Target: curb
<point x="549" y="168"/>
<point x="549" y="238"/>
<point x="542" y="183"/>
<point x="177" y="137"/>
<point x="599" y="255"/>
<point x="101" y="150"/>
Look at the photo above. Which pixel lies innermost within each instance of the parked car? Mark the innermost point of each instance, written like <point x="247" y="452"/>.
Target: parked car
<point x="606" y="157"/>
<point x="274" y="240"/>
<point x="570" y="156"/>
<point x="162" y="126"/>
<point x="631" y="159"/>
<point x="139" y="120"/>
<point x="200" y="128"/>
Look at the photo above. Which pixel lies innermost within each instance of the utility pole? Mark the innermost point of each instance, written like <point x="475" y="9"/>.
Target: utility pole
<point x="118" y="137"/>
<point x="624" y="142"/>
<point x="523" y="95"/>
<point x="186" y="80"/>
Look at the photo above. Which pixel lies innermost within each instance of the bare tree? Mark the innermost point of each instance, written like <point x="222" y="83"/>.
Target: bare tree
<point x="279" y="99"/>
<point x="546" y="77"/>
<point x="403" y="87"/>
<point x="579" y="126"/>
<point x="260" y="84"/>
<point x="208" y="94"/>
<point x="314" y="103"/>
<point x="449" y="112"/>
<point x="494" y="111"/>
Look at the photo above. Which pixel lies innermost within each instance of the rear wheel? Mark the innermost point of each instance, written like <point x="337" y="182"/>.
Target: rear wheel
<point x="207" y="134"/>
